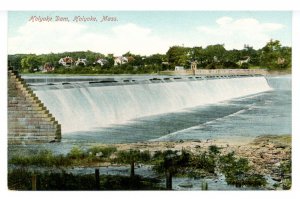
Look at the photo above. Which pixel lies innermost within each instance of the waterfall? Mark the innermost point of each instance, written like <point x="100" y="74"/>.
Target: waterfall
<point x="84" y="108"/>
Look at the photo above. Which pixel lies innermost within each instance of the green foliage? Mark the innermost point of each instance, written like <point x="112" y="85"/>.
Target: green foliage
<point x="130" y="156"/>
<point x="215" y="51"/>
<point x="20" y="179"/>
<point x="106" y="151"/>
<point x="286" y="184"/>
<point x="272" y="56"/>
<point x="177" y="56"/>
<point x="76" y="153"/>
<point x="43" y="158"/>
<point x="173" y="161"/>
<point x="286" y="171"/>
<point x="213" y="149"/>
<point x="237" y="172"/>
<point x="31" y="63"/>
<point x="205" y="162"/>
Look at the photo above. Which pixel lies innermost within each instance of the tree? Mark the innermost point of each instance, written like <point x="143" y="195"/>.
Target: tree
<point x="215" y="53"/>
<point x="131" y="157"/>
<point x="177" y="55"/>
<point x="31" y="63"/>
<point x="14" y="61"/>
<point x="274" y="56"/>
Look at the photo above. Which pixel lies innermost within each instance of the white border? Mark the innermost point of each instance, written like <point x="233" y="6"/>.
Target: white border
<point x="149" y="5"/>
<point x="3" y="99"/>
<point x="239" y="5"/>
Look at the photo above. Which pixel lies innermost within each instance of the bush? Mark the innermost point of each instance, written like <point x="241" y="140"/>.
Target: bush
<point x="76" y="153"/>
<point x="236" y="171"/>
<point x="106" y="151"/>
<point x="20" y="179"/>
<point x="205" y="162"/>
<point x="213" y="149"/>
<point x="42" y="158"/>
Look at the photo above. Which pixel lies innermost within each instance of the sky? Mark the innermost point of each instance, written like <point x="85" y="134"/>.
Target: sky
<point x="144" y="32"/>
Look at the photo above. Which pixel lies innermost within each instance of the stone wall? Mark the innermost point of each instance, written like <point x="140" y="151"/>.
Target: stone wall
<point x="217" y="72"/>
<point x="29" y="121"/>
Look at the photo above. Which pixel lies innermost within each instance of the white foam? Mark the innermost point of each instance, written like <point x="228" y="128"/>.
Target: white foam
<point x="84" y="108"/>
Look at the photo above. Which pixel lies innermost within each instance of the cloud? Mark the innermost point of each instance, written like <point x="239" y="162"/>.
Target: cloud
<point x="236" y="33"/>
<point x="120" y="38"/>
<point x="63" y="36"/>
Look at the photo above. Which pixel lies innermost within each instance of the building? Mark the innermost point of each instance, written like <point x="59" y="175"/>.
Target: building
<point x="81" y="62"/>
<point x="101" y="62"/>
<point x="67" y="61"/>
<point x="120" y="60"/>
<point x="179" y="68"/>
<point x="48" y="67"/>
<point x="244" y="61"/>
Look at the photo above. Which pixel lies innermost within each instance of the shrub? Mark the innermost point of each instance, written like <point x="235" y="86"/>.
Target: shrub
<point x="205" y="162"/>
<point x="213" y="149"/>
<point x="236" y="171"/>
<point x="76" y="153"/>
<point x="106" y="151"/>
<point x="42" y="158"/>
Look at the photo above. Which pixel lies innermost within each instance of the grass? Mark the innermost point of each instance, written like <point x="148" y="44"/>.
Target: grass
<point x="20" y="179"/>
<point x="76" y="157"/>
<point x="276" y="139"/>
<point x="237" y="170"/>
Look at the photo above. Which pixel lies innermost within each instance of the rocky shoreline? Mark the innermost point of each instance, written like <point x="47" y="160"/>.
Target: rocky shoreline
<point x="264" y="153"/>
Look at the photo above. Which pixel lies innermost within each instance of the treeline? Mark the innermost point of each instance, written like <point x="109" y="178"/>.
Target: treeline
<point x="272" y="56"/>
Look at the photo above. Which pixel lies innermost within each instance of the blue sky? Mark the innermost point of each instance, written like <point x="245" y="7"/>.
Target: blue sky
<point x="146" y="32"/>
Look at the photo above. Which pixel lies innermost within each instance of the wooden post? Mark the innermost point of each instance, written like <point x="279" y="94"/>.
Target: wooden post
<point x="33" y="182"/>
<point x="97" y="178"/>
<point x="169" y="180"/>
<point x="132" y="169"/>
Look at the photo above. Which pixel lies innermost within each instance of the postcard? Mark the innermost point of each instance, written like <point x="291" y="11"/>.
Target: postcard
<point x="149" y="100"/>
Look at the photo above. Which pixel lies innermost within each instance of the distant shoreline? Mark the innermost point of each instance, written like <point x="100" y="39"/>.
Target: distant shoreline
<point x="268" y="73"/>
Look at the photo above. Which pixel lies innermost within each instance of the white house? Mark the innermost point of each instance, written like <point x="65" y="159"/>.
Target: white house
<point x="120" y="60"/>
<point x="67" y="61"/>
<point x="246" y="60"/>
<point x="101" y="62"/>
<point x="81" y="61"/>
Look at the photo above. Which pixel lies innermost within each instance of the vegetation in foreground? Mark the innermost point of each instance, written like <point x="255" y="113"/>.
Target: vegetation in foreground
<point x="166" y="164"/>
<point x="21" y="179"/>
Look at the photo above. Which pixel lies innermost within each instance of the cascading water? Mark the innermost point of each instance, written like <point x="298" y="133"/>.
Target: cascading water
<point x="86" y="107"/>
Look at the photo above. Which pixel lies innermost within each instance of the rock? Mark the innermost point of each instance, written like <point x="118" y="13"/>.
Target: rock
<point x="186" y="185"/>
<point x="277" y="179"/>
<point x="280" y="146"/>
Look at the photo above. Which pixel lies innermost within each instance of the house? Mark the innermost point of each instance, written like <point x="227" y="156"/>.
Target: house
<point x="81" y="62"/>
<point x="215" y="58"/>
<point x="280" y="60"/>
<point x="120" y="60"/>
<point x="67" y="61"/>
<point x="245" y="60"/>
<point x="194" y="65"/>
<point x="179" y="68"/>
<point x="48" y="67"/>
<point x="101" y="62"/>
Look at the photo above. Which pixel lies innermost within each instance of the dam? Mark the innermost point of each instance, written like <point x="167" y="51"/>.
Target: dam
<point x="115" y="109"/>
